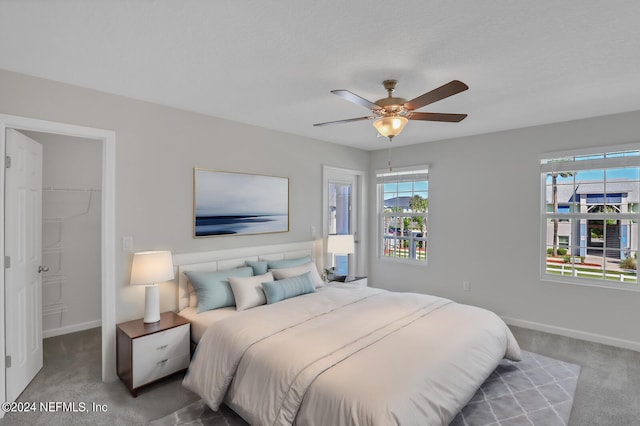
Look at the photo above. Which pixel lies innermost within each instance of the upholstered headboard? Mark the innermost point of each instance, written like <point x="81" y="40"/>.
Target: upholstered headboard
<point x="234" y="258"/>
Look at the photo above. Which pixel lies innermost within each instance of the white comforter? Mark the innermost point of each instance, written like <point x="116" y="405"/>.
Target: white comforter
<point x="344" y="356"/>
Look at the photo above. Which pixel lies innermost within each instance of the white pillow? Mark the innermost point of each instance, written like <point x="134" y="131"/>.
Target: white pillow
<point x="248" y="290"/>
<point x="294" y="271"/>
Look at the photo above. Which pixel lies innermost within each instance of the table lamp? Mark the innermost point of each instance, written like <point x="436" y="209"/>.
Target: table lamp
<point x="150" y="268"/>
<point x="340" y="245"/>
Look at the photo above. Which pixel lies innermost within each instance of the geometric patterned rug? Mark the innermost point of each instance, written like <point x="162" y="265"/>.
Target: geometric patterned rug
<point x="535" y="391"/>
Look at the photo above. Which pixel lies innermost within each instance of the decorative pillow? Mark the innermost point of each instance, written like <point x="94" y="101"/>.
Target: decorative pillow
<point x="288" y="263"/>
<point x="275" y="291"/>
<point x="259" y="267"/>
<point x="299" y="270"/>
<point x="213" y="289"/>
<point x="248" y="290"/>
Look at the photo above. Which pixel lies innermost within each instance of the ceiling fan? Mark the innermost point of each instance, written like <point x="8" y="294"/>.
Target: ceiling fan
<point x="391" y="114"/>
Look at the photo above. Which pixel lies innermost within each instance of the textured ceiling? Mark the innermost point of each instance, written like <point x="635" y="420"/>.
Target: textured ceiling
<point x="272" y="63"/>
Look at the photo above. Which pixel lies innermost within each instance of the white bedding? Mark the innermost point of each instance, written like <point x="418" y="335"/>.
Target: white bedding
<point x="200" y="322"/>
<point x="350" y="356"/>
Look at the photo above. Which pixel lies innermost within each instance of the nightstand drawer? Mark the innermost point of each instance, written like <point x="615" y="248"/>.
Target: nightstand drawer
<point x="162" y="345"/>
<point x="147" y="352"/>
<point x="147" y="371"/>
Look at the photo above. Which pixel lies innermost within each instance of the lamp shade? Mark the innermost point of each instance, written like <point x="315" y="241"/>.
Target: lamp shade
<point x="151" y="267"/>
<point x="340" y="244"/>
<point x="390" y="126"/>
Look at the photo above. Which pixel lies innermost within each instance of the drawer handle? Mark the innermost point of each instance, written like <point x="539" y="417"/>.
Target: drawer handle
<point x="163" y="361"/>
<point x="162" y="347"/>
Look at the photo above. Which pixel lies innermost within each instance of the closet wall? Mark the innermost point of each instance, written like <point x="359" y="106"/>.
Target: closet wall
<point x="71" y="211"/>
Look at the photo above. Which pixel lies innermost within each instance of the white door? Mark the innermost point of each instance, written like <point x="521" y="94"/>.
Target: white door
<point x="342" y="215"/>
<point x="23" y="246"/>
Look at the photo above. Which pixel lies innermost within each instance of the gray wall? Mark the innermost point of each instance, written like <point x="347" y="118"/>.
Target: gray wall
<point x="484" y="227"/>
<point x="156" y="150"/>
<point x="484" y="200"/>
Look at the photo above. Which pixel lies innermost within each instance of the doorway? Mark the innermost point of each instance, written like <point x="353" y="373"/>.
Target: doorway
<point x="343" y="210"/>
<point x="71" y="192"/>
<point x="107" y="232"/>
<point x="342" y="195"/>
<point x="604" y="238"/>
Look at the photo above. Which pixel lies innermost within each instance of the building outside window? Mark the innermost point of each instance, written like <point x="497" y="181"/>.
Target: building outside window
<point x="403" y="205"/>
<point x="590" y="218"/>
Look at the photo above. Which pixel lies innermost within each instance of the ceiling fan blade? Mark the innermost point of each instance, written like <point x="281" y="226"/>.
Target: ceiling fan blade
<point x="437" y="116"/>
<point x="348" y="120"/>
<point x="352" y="97"/>
<point x="444" y="91"/>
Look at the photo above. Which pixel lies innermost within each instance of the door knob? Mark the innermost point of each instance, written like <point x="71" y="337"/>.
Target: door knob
<point x="42" y="269"/>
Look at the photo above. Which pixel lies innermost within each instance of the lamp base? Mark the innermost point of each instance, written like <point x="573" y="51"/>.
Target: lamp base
<point x="151" y="304"/>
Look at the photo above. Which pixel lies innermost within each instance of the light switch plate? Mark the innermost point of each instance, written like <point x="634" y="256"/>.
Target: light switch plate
<point x="127" y="243"/>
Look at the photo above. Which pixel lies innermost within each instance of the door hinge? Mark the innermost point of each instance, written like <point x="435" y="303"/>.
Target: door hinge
<point x="7" y="162"/>
<point x="7" y="262"/>
<point x="7" y="361"/>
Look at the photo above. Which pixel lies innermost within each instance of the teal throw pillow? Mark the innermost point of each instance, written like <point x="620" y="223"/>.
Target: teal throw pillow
<point x="259" y="267"/>
<point x="275" y="291"/>
<point x="213" y="289"/>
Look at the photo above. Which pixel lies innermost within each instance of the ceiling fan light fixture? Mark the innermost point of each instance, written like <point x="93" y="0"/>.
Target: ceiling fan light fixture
<point x="390" y="126"/>
<point x="391" y="114"/>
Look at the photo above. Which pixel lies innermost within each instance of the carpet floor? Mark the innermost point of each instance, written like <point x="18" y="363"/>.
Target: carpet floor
<point x="607" y="392"/>
<point x="536" y="391"/>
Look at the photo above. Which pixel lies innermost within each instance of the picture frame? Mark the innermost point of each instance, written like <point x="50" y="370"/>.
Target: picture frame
<point x="230" y="203"/>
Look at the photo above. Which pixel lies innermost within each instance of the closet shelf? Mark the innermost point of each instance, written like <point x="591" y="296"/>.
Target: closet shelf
<point x="54" y="309"/>
<point x="53" y="279"/>
<point x="63" y="188"/>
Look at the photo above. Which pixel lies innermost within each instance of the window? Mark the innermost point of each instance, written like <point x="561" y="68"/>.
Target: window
<point x="403" y="205"/>
<point x="590" y="218"/>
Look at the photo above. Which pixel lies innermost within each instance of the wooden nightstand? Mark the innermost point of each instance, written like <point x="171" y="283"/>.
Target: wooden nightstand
<point x="354" y="282"/>
<point x="149" y="352"/>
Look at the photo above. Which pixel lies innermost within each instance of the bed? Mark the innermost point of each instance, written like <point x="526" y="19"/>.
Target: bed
<point x="340" y="355"/>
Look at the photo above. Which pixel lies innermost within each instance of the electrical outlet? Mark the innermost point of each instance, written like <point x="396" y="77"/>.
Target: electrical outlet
<point x="466" y="285"/>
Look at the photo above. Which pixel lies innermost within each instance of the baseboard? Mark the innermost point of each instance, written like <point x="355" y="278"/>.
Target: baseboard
<point x="71" y="328"/>
<point x="576" y="334"/>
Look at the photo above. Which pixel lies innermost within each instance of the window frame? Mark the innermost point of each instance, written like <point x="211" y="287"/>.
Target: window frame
<point x="381" y="176"/>
<point x="576" y="166"/>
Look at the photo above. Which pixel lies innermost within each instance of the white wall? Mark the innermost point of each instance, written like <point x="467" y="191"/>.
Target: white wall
<point x="71" y="208"/>
<point x="484" y="195"/>
<point x="156" y="150"/>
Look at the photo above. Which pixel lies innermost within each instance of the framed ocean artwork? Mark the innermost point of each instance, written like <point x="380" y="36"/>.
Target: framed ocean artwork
<point x="227" y="203"/>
